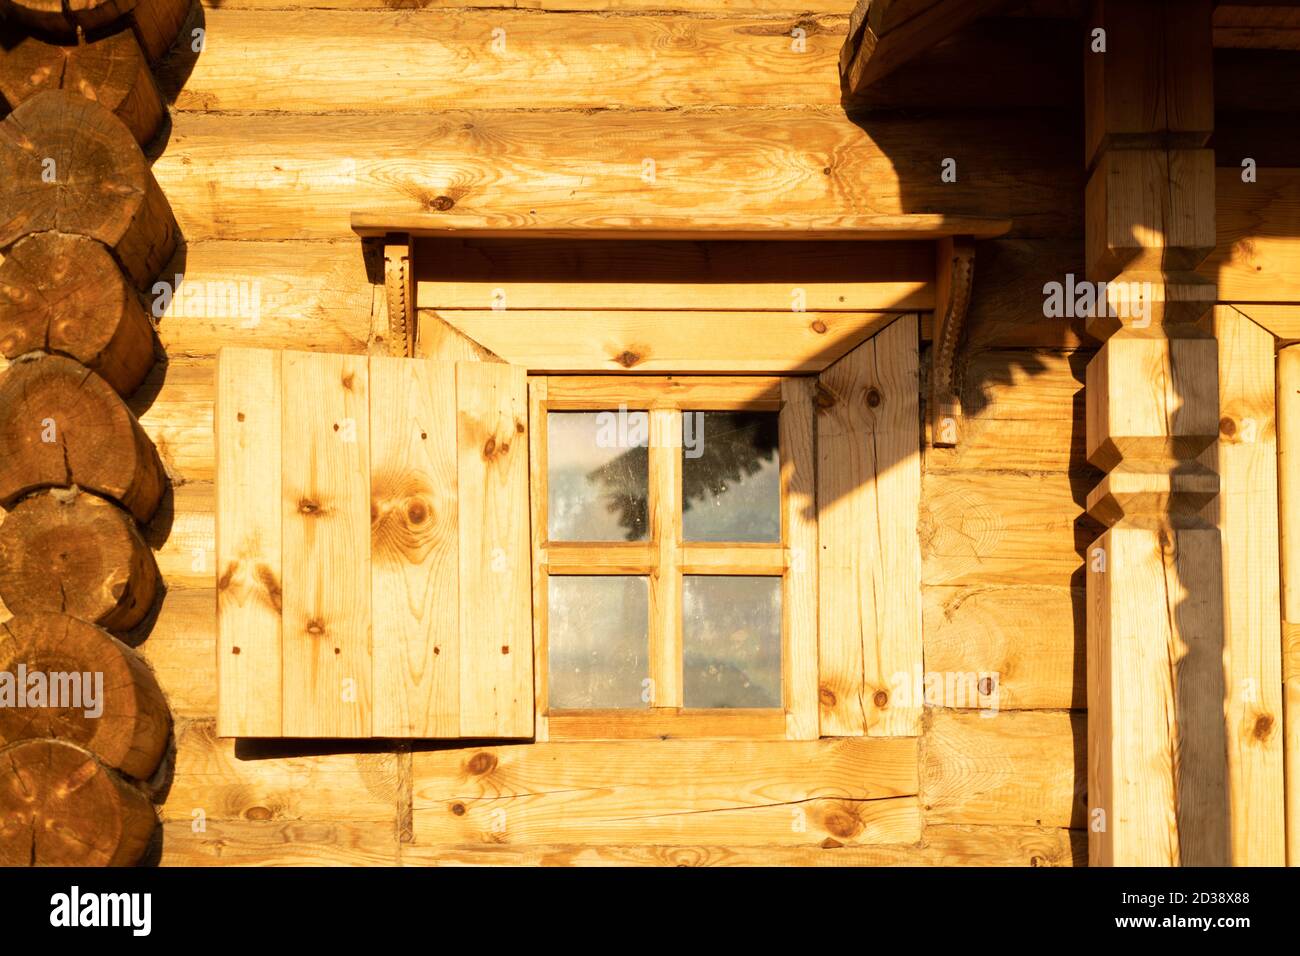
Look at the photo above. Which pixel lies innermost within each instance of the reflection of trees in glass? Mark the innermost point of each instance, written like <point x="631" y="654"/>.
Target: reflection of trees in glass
<point x="733" y="446"/>
<point x="623" y="484"/>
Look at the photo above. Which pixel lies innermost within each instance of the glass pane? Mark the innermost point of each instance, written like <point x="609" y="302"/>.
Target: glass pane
<point x="597" y="476"/>
<point x="598" y="640"/>
<point x="731" y="477"/>
<point x="731" y="641"/>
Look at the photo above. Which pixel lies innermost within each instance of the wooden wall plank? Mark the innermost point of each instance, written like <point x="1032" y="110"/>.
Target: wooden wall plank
<point x="940" y="846"/>
<point x="638" y="274"/>
<point x="1003" y="528"/>
<point x="1257" y="258"/>
<point x="333" y="60"/>
<point x="313" y="296"/>
<point x="754" y="7"/>
<point x="869" y="478"/>
<point x="248" y="545"/>
<point x="326" y="508"/>
<point x="301" y="177"/>
<point x="274" y="843"/>
<point x="1288" y="465"/>
<point x="1019" y="413"/>
<point x="666" y="342"/>
<point x="1246" y="460"/>
<point x="739" y="792"/>
<point x="1027" y="640"/>
<point x="277" y="781"/>
<point x="799" y="595"/>
<point x="414" y="549"/>
<point x="496" y="643"/>
<point x="1017" y="769"/>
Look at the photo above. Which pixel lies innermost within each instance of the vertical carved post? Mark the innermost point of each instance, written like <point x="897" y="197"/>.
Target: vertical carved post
<point x="1156" y="750"/>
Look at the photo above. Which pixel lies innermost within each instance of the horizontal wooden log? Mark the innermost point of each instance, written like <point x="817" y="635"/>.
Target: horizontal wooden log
<point x="295" y="295"/>
<point x="60" y="424"/>
<point x="752" y="7"/>
<point x="1009" y="305"/>
<point x="116" y="710"/>
<point x="182" y="651"/>
<point x="1019" y="410"/>
<point x="786" y="276"/>
<point x="1257" y="258"/>
<point x="742" y="793"/>
<point x="175" y="409"/>
<point x="940" y="846"/>
<point x="1014" y="647"/>
<point x="59" y="806"/>
<point x="279" y="843"/>
<point x="702" y="342"/>
<point x="70" y="551"/>
<point x="76" y="169"/>
<point x="302" y="176"/>
<point x="111" y="70"/>
<point x="273" y="780"/>
<point x="65" y="294"/>
<point x="1004" y="528"/>
<point x="335" y="60"/>
<point x="1015" y="769"/>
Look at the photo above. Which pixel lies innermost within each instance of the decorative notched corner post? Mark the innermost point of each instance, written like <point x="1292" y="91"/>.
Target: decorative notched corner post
<point x="1164" y="787"/>
<point x="955" y="272"/>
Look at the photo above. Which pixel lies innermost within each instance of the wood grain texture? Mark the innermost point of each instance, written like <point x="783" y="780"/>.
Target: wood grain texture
<point x="496" y="643"/>
<point x="302" y="176"/>
<point x="1004" y="769"/>
<point x="800" y="589"/>
<point x="100" y="695"/>
<point x="78" y="554"/>
<point x="868" y="501"/>
<point x="980" y="529"/>
<point x="1257" y="255"/>
<point x="325" y="505"/>
<point x="277" y="782"/>
<point x="1245" y="456"/>
<point x="667" y="342"/>
<point x="248" y="420"/>
<point x="340" y="60"/>
<point x="776" y="275"/>
<point x="1288" y="466"/>
<point x="782" y="793"/>
<point x="1013" y="647"/>
<point x="940" y="846"/>
<point x="414" y="550"/>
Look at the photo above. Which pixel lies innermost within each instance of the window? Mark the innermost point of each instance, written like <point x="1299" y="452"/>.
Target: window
<point x="675" y="555"/>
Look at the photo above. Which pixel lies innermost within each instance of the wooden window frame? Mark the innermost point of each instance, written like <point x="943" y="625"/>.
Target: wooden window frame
<point x="665" y="558"/>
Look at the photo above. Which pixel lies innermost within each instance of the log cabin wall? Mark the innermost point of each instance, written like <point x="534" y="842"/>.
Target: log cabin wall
<point x="296" y="113"/>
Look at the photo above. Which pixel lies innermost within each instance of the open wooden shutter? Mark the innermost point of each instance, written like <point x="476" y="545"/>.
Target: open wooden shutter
<point x="372" y="547"/>
<point x="868" y="506"/>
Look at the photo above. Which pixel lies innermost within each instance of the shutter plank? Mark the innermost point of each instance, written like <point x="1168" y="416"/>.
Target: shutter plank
<point x="326" y="509"/>
<point x="247" y="426"/>
<point x="868" y="500"/>
<point x="414" y="569"/>
<point x="496" y="681"/>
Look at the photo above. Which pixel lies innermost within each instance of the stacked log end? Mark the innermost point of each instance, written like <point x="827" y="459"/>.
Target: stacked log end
<point x="62" y="425"/>
<point x="75" y="551"/>
<point x="154" y="23"/>
<point x="65" y="294"/>
<point x="59" y="806"/>
<point x="116" y="710"/>
<point x="74" y="168"/>
<point x="84" y="228"/>
<point x="111" y="70"/>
